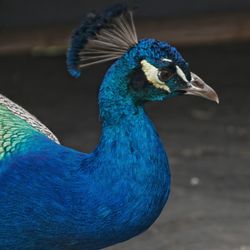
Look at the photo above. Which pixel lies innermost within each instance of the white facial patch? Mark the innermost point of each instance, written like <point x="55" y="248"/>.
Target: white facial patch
<point x="181" y="74"/>
<point x="151" y="73"/>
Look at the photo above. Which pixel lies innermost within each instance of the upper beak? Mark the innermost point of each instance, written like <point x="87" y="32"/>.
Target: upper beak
<point x="199" y="88"/>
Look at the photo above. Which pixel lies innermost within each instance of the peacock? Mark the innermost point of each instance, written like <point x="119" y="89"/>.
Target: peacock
<point x="55" y="197"/>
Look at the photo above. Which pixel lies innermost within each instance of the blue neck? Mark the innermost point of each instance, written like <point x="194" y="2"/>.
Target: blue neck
<point x="118" y="111"/>
<point x="126" y="129"/>
<point x="114" y="101"/>
<point x="130" y="156"/>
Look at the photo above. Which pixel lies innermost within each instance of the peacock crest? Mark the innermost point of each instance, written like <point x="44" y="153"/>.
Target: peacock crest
<point x="101" y="38"/>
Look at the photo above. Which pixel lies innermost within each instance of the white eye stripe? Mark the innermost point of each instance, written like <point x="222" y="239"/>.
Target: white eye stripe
<point x="151" y="73"/>
<point x="166" y="60"/>
<point x="178" y="70"/>
<point x="181" y="74"/>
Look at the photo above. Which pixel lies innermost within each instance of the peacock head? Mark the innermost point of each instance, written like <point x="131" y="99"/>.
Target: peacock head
<point x="153" y="70"/>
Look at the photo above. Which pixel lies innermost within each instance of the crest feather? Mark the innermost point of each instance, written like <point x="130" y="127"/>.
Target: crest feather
<point x="101" y="38"/>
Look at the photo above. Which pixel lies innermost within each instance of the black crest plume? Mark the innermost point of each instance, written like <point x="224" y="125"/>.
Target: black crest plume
<point x="101" y="38"/>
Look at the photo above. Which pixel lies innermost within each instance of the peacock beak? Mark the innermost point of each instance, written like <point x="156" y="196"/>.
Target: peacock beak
<point x="199" y="88"/>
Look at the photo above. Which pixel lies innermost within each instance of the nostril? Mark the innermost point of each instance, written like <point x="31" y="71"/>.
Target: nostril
<point x="197" y="84"/>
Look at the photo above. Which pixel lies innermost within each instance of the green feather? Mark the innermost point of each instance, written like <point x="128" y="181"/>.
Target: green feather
<point x="13" y="131"/>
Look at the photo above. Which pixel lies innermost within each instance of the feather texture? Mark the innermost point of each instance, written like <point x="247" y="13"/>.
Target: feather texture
<point x="54" y="197"/>
<point x="21" y="113"/>
<point x="101" y="38"/>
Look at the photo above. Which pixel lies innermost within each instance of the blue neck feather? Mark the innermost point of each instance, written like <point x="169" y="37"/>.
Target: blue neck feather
<point x="130" y="155"/>
<point x="114" y="101"/>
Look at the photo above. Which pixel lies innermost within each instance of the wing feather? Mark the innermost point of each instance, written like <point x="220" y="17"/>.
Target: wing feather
<point x="16" y="125"/>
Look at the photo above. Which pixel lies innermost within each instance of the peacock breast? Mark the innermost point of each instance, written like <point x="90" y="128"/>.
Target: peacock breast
<point x="128" y="195"/>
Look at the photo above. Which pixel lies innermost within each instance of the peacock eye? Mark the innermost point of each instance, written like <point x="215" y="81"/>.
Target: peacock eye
<point x="164" y="75"/>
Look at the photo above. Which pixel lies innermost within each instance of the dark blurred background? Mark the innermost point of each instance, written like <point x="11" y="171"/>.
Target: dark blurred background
<point x="208" y="144"/>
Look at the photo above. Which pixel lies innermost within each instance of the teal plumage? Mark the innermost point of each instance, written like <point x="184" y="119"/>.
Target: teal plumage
<point x="54" y="197"/>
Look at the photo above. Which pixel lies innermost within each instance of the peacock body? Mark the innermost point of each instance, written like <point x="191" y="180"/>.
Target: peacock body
<point x="54" y="197"/>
